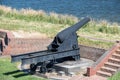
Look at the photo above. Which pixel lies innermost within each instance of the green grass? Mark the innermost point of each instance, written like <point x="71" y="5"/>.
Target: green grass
<point x="115" y="77"/>
<point x="7" y="71"/>
<point x="95" y="43"/>
<point x="29" y="20"/>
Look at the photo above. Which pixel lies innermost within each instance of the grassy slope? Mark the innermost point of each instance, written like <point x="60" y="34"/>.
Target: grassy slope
<point x="51" y="29"/>
<point x="7" y="71"/>
<point x="115" y="77"/>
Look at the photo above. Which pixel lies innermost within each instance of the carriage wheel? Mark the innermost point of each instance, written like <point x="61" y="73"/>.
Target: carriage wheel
<point x="43" y="70"/>
<point x="33" y="68"/>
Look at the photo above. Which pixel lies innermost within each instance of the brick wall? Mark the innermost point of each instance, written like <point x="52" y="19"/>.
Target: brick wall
<point x="25" y="45"/>
<point x="22" y="45"/>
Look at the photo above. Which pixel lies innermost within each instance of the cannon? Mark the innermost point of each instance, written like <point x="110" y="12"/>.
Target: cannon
<point x="63" y="47"/>
<point x="67" y="39"/>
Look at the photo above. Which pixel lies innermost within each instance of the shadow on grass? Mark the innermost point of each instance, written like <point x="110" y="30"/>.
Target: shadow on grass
<point x="17" y="73"/>
<point x="12" y="72"/>
<point x="21" y="75"/>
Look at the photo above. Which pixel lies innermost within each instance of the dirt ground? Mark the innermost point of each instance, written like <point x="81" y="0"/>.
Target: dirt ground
<point x="23" y="34"/>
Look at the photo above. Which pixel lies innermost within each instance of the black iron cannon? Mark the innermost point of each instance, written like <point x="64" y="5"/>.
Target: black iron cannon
<point x="63" y="47"/>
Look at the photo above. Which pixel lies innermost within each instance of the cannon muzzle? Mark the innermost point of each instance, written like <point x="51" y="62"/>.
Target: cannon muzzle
<point x="75" y="27"/>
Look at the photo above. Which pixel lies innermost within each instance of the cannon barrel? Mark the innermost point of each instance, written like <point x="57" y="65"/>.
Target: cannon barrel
<point x="76" y="26"/>
<point x="67" y="33"/>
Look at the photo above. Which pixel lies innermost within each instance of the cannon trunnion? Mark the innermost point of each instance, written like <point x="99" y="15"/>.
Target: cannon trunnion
<point x="63" y="47"/>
